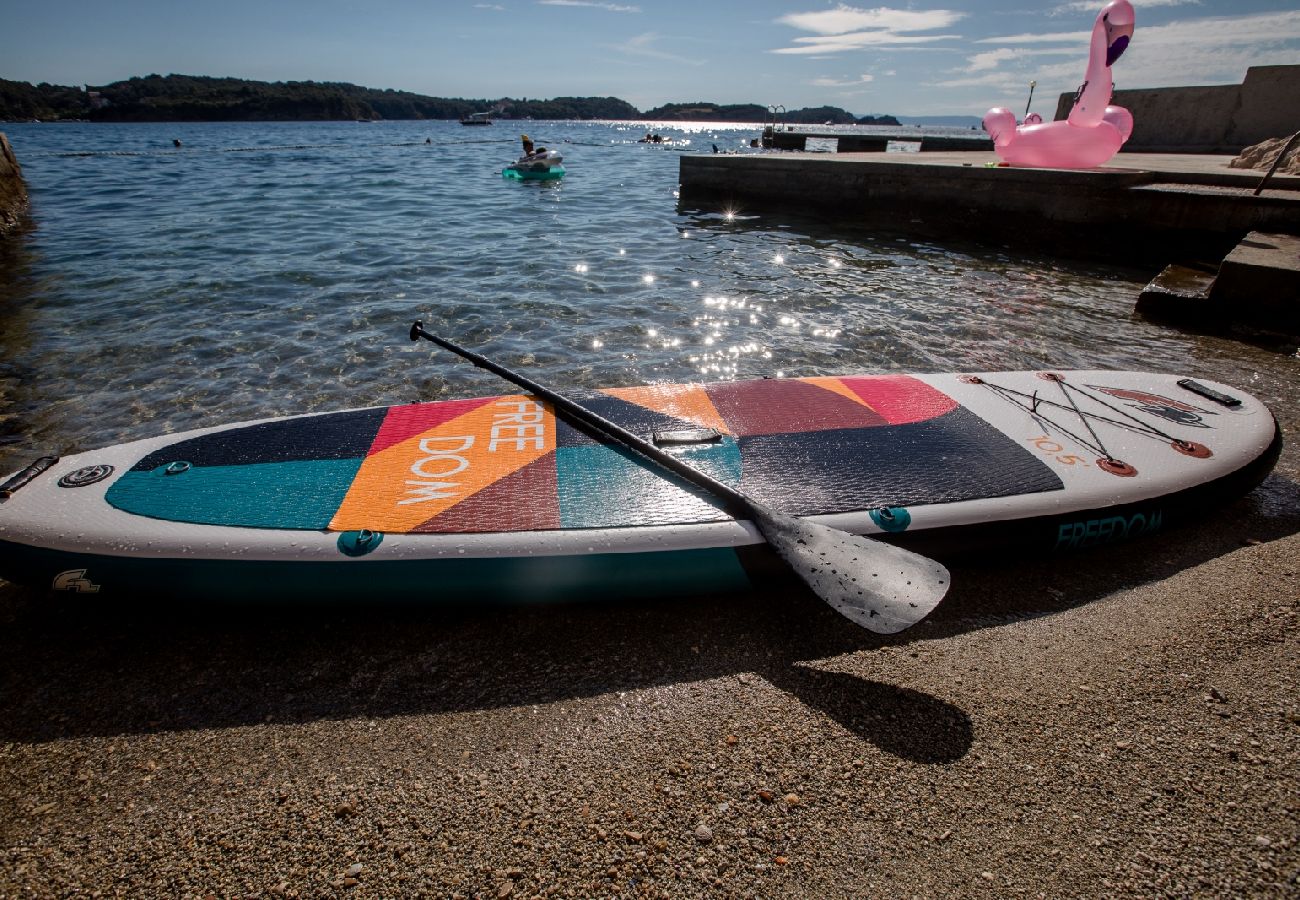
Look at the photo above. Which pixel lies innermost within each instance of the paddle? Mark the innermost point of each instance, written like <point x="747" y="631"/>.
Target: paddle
<point x="879" y="586"/>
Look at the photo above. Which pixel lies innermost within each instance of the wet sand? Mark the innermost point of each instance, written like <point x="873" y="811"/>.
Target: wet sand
<point x="1122" y="722"/>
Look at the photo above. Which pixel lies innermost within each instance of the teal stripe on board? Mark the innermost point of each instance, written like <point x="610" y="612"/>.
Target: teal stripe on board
<point x="303" y="494"/>
<point x="597" y="576"/>
<point x="606" y="487"/>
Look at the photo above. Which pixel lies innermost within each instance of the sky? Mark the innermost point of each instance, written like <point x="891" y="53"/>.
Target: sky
<point x="912" y="59"/>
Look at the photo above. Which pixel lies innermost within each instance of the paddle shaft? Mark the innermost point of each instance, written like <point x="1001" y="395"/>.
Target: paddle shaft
<point x="879" y="586"/>
<point x="735" y="501"/>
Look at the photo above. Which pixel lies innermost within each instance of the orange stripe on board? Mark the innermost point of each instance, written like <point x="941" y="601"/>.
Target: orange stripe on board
<point x="416" y="479"/>
<point x="682" y="401"/>
<point x="836" y="386"/>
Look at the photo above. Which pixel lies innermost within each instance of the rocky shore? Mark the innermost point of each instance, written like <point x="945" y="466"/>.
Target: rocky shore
<point x="13" y="192"/>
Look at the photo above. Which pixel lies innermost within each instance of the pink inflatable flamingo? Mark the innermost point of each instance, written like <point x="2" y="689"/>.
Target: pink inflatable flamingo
<point x="1094" y="132"/>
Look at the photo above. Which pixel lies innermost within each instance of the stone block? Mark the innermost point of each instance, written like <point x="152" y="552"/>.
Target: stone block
<point x="1179" y="294"/>
<point x="1260" y="281"/>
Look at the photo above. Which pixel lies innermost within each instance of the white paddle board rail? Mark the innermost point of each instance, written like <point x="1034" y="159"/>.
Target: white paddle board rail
<point x="517" y="496"/>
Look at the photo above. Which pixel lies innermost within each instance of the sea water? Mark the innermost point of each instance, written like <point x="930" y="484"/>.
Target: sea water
<point x="263" y="269"/>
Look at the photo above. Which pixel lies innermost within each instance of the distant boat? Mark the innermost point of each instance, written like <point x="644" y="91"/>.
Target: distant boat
<point x="483" y="118"/>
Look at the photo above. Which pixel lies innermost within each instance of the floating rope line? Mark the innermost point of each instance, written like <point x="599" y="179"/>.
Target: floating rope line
<point x="179" y="151"/>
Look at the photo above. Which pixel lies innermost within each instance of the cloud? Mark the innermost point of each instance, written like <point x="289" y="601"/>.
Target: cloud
<point x="1094" y="6"/>
<point x="1199" y="51"/>
<point x="1058" y="37"/>
<point x="492" y="6"/>
<point x="844" y="19"/>
<point x="846" y="28"/>
<point x="612" y="7"/>
<point x="644" y="45"/>
<point x="858" y="40"/>
<point x="831" y="82"/>
<point x="1216" y="49"/>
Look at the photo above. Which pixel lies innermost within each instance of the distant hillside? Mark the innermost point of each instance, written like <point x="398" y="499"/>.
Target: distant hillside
<point x="952" y="121"/>
<point x="156" y="98"/>
<point x="196" y="98"/>
<point x="751" y="112"/>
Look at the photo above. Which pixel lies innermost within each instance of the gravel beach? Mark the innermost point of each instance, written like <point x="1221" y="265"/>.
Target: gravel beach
<point x="1123" y="722"/>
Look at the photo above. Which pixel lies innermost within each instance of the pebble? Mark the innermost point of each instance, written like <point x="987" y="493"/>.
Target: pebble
<point x="703" y="833"/>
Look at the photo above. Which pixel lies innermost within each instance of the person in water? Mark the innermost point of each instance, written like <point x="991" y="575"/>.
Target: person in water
<point x="529" y="151"/>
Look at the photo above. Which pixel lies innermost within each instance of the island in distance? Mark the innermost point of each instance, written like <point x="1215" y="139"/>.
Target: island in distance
<point x="194" y="98"/>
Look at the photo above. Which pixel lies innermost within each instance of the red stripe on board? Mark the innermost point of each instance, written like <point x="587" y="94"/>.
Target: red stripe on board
<point x="786" y="407"/>
<point x="403" y="422"/>
<point x="526" y="500"/>
<point x="900" y="399"/>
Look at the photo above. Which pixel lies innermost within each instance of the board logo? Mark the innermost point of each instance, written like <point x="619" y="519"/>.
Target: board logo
<point x="1091" y="532"/>
<point x="435" y="464"/>
<point x="1175" y="411"/>
<point x="75" y="580"/>
<point x="440" y="457"/>
<point x="517" y="427"/>
<point x="86" y="475"/>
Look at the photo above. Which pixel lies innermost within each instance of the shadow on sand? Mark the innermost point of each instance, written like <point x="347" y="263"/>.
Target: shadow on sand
<point x="71" y="669"/>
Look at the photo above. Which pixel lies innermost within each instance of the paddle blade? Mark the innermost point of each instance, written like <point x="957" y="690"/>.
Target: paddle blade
<point x="881" y="587"/>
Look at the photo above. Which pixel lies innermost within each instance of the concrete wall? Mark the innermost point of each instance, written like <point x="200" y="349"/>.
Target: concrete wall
<point x="1270" y="105"/>
<point x="13" y="193"/>
<point x="1210" y="119"/>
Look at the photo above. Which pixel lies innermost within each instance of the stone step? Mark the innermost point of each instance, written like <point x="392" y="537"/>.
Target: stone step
<point x="1257" y="284"/>
<point x="1178" y="293"/>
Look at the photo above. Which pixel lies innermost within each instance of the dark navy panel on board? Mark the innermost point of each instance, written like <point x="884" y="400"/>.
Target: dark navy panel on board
<point x="345" y="435"/>
<point x="957" y="456"/>
<point x="635" y="418"/>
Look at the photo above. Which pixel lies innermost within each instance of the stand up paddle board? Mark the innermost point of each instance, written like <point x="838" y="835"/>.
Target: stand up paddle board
<point x="496" y="496"/>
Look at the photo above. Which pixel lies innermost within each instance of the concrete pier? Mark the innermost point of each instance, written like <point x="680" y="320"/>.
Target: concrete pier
<point x="1143" y="208"/>
<point x="1184" y="212"/>
<point x="797" y="139"/>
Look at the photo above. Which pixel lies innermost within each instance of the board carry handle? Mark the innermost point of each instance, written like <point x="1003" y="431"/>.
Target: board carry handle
<point x="882" y="587"/>
<point x="26" y="476"/>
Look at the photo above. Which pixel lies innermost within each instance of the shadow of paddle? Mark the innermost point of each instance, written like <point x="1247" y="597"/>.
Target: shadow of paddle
<point x="906" y="723"/>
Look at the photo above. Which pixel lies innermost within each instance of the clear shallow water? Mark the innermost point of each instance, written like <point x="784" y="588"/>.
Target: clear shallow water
<point x="266" y="269"/>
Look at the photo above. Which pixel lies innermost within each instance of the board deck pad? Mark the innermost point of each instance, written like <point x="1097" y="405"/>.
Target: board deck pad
<point x="502" y="464"/>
